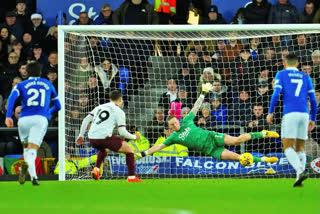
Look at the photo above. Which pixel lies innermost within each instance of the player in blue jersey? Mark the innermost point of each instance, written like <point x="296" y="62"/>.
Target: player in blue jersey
<point x="297" y="89"/>
<point x="36" y="94"/>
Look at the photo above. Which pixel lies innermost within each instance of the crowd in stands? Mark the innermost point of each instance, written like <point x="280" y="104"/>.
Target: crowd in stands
<point x="241" y="71"/>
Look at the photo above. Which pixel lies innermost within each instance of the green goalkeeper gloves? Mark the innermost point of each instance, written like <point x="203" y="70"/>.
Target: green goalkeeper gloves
<point x="139" y="155"/>
<point x="206" y="88"/>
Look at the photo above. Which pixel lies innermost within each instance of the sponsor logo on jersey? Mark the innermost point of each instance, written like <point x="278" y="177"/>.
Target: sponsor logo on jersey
<point x="185" y="133"/>
<point x="315" y="165"/>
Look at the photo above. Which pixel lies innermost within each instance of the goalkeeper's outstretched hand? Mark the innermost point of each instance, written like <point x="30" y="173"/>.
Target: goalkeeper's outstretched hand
<point x="137" y="156"/>
<point x="206" y="87"/>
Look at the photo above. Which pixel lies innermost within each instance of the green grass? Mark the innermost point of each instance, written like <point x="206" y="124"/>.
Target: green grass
<point x="163" y="196"/>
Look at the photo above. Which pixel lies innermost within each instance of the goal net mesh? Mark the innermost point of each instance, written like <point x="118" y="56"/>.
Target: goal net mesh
<point x="160" y="74"/>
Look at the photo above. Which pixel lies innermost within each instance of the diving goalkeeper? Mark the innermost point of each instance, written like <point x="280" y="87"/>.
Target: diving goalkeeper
<point x="209" y="142"/>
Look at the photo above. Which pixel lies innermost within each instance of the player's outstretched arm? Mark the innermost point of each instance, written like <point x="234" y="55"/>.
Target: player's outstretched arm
<point x="205" y="89"/>
<point x="150" y="151"/>
<point x="84" y="125"/>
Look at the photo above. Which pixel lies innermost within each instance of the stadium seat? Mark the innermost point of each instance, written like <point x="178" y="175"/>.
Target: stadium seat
<point x="257" y="154"/>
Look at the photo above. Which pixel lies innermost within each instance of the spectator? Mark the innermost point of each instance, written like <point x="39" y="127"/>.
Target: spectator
<point x="242" y="70"/>
<point x="64" y="22"/>
<point x="52" y="76"/>
<point x="232" y="50"/>
<point x="22" y="70"/>
<point x="255" y="48"/>
<point x="169" y="96"/>
<point x="257" y="11"/>
<point x="265" y="75"/>
<point x="218" y="111"/>
<point x="283" y="13"/>
<point x="258" y="122"/>
<point x="11" y="71"/>
<point x="213" y="17"/>
<point x="16" y="47"/>
<point x="183" y="97"/>
<point x="316" y="65"/>
<point x="44" y="151"/>
<point x="208" y="76"/>
<point x="39" y="55"/>
<point x="84" y="19"/>
<point x="173" y="150"/>
<point x="37" y="29"/>
<point x="204" y="120"/>
<point x="105" y="16"/>
<point x="83" y="72"/>
<point x="138" y="145"/>
<point x="50" y="43"/>
<point x="275" y="44"/>
<point x="302" y="48"/>
<point x="240" y="110"/>
<point x="166" y="10"/>
<point x="307" y="68"/>
<point x="11" y="24"/>
<point x="186" y="78"/>
<point x="5" y="38"/>
<point x="240" y="17"/>
<point x="52" y="63"/>
<point x="108" y="78"/>
<point x="22" y="13"/>
<point x="27" y="44"/>
<point x="222" y="92"/>
<point x="262" y="95"/>
<point x="156" y="126"/>
<point x="184" y="112"/>
<point x="135" y="12"/>
<point x="267" y="61"/>
<point x="308" y="13"/>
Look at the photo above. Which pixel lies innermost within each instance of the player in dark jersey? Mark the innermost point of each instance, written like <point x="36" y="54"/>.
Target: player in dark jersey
<point x="211" y="143"/>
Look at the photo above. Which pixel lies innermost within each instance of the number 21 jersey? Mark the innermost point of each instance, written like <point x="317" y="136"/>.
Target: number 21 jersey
<point x="37" y="94"/>
<point x="105" y="118"/>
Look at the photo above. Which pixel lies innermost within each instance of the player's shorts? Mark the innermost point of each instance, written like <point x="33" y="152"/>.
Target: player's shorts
<point x="295" y="126"/>
<point x="32" y="129"/>
<point x="113" y="143"/>
<point x="215" y="145"/>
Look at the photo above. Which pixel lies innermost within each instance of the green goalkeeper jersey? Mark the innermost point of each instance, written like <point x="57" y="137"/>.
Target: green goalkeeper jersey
<point x="194" y="137"/>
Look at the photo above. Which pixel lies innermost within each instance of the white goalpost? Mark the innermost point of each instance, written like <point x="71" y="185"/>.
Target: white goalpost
<point x="144" y="62"/>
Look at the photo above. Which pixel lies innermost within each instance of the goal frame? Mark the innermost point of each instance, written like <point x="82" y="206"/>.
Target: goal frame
<point x="62" y="29"/>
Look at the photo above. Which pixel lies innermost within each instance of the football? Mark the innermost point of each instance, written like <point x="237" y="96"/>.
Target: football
<point x="246" y="159"/>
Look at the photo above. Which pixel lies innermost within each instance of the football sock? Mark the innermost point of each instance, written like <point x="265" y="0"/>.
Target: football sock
<point x="256" y="159"/>
<point x="100" y="158"/>
<point x="293" y="159"/>
<point x="255" y="135"/>
<point x="31" y="159"/>
<point x="130" y="164"/>
<point x="303" y="159"/>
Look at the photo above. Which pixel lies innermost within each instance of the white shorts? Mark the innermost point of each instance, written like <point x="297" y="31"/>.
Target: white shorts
<point x="32" y="129"/>
<point x="295" y="126"/>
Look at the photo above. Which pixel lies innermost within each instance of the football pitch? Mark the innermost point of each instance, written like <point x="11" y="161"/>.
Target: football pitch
<point x="162" y="196"/>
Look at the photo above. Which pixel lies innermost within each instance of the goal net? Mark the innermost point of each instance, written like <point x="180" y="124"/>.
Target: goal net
<point x="159" y="70"/>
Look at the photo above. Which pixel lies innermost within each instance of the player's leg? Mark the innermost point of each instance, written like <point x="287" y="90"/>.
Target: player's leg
<point x="301" y="153"/>
<point x="294" y="126"/>
<point x="38" y="128"/>
<point x="128" y="151"/>
<point x="102" y="154"/>
<point x="229" y="155"/>
<point x="23" y="130"/>
<point x="234" y="141"/>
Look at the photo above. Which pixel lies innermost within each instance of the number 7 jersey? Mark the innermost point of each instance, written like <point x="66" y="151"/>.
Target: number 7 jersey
<point x="105" y="118"/>
<point x="296" y="88"/>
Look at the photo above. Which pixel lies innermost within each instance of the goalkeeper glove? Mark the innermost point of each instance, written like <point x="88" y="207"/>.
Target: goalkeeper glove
<point x="138" y="156"/>
<point x="206" y="88"/>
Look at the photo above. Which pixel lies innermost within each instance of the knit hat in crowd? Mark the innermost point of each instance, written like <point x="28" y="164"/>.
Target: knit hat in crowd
<point x="36" y="16"/>
<point x="205" y="105"/>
